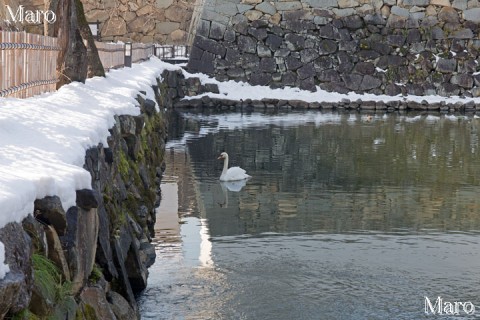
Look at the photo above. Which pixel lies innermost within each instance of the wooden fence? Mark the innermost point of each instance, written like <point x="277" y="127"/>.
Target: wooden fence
<point x="112" y="55"/>
<point x="28" y="64"/>
<point x="142" y="51"/>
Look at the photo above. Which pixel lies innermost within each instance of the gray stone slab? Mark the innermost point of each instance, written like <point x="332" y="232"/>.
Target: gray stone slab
<point x="420" y="3"/>
<point x="472" y="15"/>
<point x="210" y="45"/>
<point x="402" y="12"/>
<point x="263" y="51"/>
<point x="267" y="65"/>
<point x="416" y="17"/>
<point x="306" y="71"/>
<point x="460" y="4"/>
<point x="229" y="35"/>
<point x="274" y="41"/>
<point x="228" y="9"/>
<point x="246" y="44"/>
<point x="327" y="47"/>
<point x="289" y="5"/>
<point x="266" y="7"/>
<point x="217" y="30"/>
<point x="260" y="79"/>
<point x="243" y="7"/>
<point x="203" y="28"/>
<point x="282" y="53"/>
<point x="211" y="15"/>
<point x="344" y="12"/>
<point x="446" y="65"/>
<point x="321" y="20"/>
<point x="322" y="4"/>
<point x="239" y="18"/>
<point x="462" y="34"/>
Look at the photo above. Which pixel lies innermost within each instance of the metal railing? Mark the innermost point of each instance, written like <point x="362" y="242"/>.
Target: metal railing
<point x="172" y="52"/>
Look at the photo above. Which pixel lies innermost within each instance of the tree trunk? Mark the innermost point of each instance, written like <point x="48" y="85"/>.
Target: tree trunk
<point x="95" y="67"/>
<point x="75" y="61"/>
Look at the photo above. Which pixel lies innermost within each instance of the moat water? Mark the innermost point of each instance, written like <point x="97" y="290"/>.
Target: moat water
<point x="347" y="216"/>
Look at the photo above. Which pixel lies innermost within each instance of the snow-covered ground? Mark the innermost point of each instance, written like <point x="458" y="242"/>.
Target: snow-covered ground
<point x="43" y="139"/>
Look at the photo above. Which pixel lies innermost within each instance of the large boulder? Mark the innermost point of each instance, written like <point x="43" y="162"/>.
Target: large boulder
<point x="16" y="287"/>
<point x="95" y="298"/>
<point x="120" y="307"/>
<point x="49" y="210"/>
<point x="55" y="252"/>
<point x="80" y="242"/>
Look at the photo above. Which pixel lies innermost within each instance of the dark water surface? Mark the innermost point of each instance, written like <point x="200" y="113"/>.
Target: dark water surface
<point x="347" y="216"/>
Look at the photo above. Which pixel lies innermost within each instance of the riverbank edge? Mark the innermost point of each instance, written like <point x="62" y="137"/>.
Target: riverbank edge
<point x="186" y="91"/>
<point x="90" y="261"/>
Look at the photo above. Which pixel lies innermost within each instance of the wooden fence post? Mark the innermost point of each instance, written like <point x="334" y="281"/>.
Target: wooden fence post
<point x="28" y="62"/>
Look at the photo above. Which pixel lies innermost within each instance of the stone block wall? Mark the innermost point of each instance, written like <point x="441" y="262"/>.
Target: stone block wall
<point x="392" y="47"/>
<point x="160" y="21"/>
<point x="146" y="21"/>
<point x="101" y="248"/>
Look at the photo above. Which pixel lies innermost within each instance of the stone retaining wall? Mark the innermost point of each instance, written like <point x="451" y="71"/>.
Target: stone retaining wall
<point x="185" y="93"/>
<point x="102" y="246"/>
<point x="146" y="21"/>
<point x="160" y="21"/>
<point x="418" y="47"/>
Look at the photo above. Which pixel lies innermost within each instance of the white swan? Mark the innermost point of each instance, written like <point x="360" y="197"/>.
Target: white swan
<point x="233" y="173"/>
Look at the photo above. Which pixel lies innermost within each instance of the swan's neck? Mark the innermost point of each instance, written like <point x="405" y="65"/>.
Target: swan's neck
<point x="225" y="166"/>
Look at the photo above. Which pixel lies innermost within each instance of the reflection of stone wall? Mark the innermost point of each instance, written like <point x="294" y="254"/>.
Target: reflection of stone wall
<point x="162" y="21"/>
<point x="335" y="176"/>
<point x="393" y="47"/>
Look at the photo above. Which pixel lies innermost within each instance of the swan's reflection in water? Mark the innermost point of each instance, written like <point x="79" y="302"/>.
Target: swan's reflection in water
<point x="232" y="186"/>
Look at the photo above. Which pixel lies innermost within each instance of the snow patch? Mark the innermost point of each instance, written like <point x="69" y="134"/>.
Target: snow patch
<point x="43" y="139"/>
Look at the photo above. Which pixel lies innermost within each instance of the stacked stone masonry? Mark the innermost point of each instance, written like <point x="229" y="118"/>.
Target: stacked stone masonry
<point x="145" y="21"/>
<point x="160" y="21"/>
<point x="416" y="47"/>
<point x="102" y="246"/>
<point x="185" y="93"/>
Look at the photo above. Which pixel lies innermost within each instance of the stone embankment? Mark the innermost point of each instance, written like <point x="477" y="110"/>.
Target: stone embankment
<point x="160" y="21"/>
<point x="181" y="92"/>
<point x="90" y="261"/>
<point x="414" y="47"/>
<point x="145" y="21"/>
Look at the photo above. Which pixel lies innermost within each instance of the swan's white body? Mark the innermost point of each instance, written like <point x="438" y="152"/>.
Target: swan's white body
<point x="233" y="173"/>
